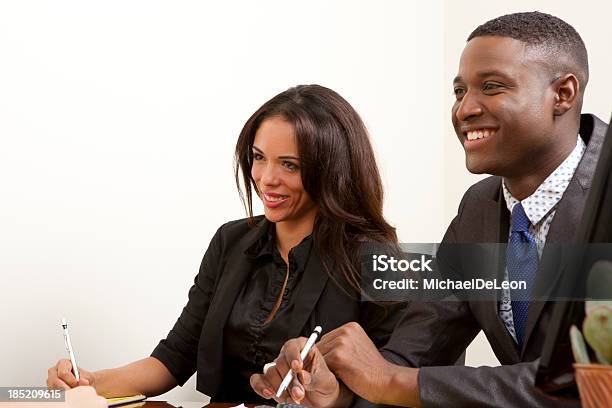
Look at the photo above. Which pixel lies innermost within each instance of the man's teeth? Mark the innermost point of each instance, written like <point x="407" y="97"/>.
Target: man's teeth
<point x="480" y="134"/>
<point x="270" y="198"/>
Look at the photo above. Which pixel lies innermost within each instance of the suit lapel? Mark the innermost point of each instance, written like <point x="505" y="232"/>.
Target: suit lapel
<point x="495" y="223"/>
<point x="233" y="273"/>
<point x="236" y="270"/>
<point x="565" y="222"/>
<point x="554" y="257"/>
<point x="308" y="292"/>
<point x="502" y="334"/>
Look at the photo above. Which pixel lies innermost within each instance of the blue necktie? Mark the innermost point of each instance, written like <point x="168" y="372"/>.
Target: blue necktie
<point x="522" y="264"/>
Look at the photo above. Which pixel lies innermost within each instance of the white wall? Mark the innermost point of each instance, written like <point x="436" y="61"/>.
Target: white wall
<point x="590" y="18"/>
<point x="117" y="126"/>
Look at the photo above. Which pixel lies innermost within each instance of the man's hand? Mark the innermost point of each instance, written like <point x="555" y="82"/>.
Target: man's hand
<point x="351" y="355"/>
<point x="313" y="383"/>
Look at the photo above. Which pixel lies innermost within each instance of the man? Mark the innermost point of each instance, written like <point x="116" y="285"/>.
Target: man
<point x="519" y="93"/>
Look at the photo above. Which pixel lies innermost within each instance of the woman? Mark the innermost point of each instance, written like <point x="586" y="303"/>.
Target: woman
<point x="267" y="279"/>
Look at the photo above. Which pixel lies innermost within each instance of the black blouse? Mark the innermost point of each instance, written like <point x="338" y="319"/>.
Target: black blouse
<point x="249" y="342"/>
<point x="221" y="332"/>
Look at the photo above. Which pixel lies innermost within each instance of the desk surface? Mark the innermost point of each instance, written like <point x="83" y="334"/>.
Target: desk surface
<point x="189" y="404"/>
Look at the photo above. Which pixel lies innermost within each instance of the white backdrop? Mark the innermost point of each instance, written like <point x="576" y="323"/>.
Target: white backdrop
<point x="117" y="126"/>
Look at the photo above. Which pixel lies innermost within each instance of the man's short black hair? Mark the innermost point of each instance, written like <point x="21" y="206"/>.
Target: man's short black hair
<point x="558" y="40"/>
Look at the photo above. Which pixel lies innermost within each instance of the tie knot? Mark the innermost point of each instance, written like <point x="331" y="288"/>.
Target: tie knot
<point x="520" y="221"/>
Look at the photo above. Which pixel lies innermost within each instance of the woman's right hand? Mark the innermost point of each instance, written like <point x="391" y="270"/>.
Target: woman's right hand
<point x="313" y="384"/>
<point x="60" y="376"/>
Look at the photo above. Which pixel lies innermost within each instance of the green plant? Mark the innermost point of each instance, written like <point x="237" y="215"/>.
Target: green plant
<point x="597" y="329"/>
<point x="597" y="325"/>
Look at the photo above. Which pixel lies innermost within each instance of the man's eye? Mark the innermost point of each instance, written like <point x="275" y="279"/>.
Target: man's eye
<point x="490" y="86"/>
<point x="458" y="92"/>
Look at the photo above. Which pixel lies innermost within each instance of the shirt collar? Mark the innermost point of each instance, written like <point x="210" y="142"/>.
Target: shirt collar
<point x="548" y="194"/>
<point x="265" y="245"/>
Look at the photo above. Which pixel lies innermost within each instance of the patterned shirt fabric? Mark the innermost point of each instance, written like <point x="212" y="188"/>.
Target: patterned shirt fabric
<point x="540" y="208"/>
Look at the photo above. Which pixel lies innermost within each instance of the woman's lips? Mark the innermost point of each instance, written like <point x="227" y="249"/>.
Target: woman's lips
<point x="273" y="200"/>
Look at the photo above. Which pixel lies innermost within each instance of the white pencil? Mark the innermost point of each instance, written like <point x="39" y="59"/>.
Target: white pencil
<point x="309" y="343"/>
<point x="75" y="370"/>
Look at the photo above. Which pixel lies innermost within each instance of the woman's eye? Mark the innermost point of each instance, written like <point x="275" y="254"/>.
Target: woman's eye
<point x="290" y="166"/>
<point x="257" y="156"/>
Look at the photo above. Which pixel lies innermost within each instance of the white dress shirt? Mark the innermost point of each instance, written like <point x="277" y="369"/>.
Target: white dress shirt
<point x="540" y="208"/>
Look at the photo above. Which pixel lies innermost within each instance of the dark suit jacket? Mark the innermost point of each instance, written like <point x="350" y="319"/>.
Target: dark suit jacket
<point x="196" y="340"/>
<point x="431" y="335"/>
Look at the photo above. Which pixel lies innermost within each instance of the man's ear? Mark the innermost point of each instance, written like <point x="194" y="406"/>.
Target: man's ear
<point x="567" y="93"/>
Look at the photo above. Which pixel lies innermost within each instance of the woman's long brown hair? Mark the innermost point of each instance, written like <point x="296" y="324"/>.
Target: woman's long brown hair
<point x="338" y="171"/>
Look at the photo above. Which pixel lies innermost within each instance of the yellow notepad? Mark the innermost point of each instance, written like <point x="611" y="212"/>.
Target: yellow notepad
<point x="112" y="402"/>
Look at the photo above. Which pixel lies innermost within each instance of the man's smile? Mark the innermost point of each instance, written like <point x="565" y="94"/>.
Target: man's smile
<point x="479" y="133"/>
